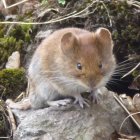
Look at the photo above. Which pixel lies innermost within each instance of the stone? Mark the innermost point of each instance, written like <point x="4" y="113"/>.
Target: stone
<point x="43" y="34"/>
<point x="13" y="61"/>
<point x="96" y="122"/>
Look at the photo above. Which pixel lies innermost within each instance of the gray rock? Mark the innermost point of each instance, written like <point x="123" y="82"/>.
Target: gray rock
<point x="72" y="123"/>
<point x="43" y="34"/>
<point x="13" y="61"/>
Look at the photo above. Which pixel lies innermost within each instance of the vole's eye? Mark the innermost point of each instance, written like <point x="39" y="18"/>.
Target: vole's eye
<point x="100" y="65"/>
<point x="79" y="66"/>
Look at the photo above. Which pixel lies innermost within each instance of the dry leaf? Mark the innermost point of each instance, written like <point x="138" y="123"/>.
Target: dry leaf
<point x="118" y="136"/>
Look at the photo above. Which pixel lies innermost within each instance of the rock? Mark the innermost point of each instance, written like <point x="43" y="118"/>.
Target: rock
<point x="10" y="17"/>
<point x="13" y="60"/>
<point x="72" y="123"/>
<point x="43" y="34"/>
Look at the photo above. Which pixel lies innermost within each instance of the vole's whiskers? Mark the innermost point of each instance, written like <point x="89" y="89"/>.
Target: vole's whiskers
<point x="118" y="74"/>
<point x="123" y="64"/>
<point x="113" y="83"/>
<point x="123" y="67"/>
<point x="107" y="86"/>
<point x="126" y="61"/>
<point x="119" y="80"/>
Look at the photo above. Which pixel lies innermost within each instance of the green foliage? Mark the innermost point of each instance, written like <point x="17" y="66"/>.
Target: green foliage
<point x="1" y="30"/>
<point x="44" y="1"/>
<point x="12" y="82"/>
<point x="1" y="117"/>
<point x="1" y="122"/>
<point x="4" y="124"/>
<point x="20" y="32"/>
<point x="7" y="46"/>
<point x="18" y="37"/>
<point x="63" y="2"/>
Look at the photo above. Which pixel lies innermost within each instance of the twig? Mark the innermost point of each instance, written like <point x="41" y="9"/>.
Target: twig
<point x="110" y="21"/>
<point x="118" y="100"/>
<point x="9" y="29"/>
<point x="6" y="7"/>
<point x="50" y="21"/>
<point x="8" y="118"/>
<point x="131" y="70"/>
<point x="130" y="115"/>
<point x="20" y="95"/>
<point x="86" y="13"/>
<point x="12" y="120"/>
<point x="4" y="3"/>
<point x="5" y="137"/>
<point x="28" y="88"/>
<point x="134" y="3"/>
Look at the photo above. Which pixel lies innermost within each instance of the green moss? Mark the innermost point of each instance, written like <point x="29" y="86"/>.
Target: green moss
<point x="7" y="46"/>
<point x="20" y="32"/>
<point x="1" y="30"/>
<point x="18" y="37"/>
<point x="1" y="115"/>
<point x="12" y="81"/>
<point x="4" y="125"/>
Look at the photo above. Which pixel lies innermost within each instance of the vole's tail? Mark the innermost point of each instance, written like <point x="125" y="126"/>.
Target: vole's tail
<point x="22" y="105"/>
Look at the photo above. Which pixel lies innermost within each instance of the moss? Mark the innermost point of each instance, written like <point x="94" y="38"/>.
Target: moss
<point x="4" y="124"/>
<point x="17" y="39"/>
<point x="12" y="82"/>
<point x="20" y="32"/>
<point x="7" y="46"/>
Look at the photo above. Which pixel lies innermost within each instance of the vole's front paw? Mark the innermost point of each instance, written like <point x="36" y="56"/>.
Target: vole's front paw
<point x="81" y="101"/>
<point x="96" y="96"/>
<point x="58" y="103"/>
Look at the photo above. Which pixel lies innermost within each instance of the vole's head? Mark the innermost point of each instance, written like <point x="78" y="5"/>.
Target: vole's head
<point x="88" y="57"/>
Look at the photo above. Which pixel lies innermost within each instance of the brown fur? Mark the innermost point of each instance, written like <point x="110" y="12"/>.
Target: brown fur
<point x="53" y="70"/>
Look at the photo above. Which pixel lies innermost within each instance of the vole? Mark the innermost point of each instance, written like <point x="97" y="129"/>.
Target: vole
<point x="67" y="63"/>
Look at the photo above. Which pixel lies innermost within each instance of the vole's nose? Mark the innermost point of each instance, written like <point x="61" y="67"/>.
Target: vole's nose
<point x="91" y="83"/>
<point x="92" y="90"/>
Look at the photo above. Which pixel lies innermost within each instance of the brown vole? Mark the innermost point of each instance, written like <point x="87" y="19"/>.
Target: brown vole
<point x="70" y="61"/>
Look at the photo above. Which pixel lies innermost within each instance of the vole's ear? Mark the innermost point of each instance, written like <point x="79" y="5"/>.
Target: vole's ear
<point x="104" y="37"/>
<point x="69" y="43"/>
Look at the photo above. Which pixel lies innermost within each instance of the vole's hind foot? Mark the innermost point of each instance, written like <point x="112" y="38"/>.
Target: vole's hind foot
<point x="58" y="103"/>
<point x="23" y="105"/>
<point x="81" y="101"/>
